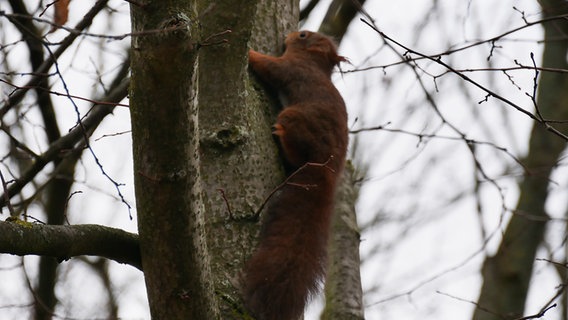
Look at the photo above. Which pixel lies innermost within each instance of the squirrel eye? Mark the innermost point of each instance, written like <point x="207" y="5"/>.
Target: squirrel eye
<point x="302" y="35"/>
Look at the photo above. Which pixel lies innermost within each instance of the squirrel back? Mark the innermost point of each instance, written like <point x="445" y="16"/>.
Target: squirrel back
<point x="289" y="264"/>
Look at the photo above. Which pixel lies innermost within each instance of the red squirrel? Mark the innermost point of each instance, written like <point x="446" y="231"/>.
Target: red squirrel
<point x="288" y="266"/>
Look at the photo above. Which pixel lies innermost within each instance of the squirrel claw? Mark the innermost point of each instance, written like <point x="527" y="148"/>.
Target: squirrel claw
<point x="278" y="130"/>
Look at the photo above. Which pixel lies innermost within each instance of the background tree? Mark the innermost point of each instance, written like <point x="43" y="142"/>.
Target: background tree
<point x="441" y="97"/>
<point x="507" y="274"/>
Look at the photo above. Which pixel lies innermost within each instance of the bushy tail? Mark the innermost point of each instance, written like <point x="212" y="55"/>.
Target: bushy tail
<point x="289" y="264"/>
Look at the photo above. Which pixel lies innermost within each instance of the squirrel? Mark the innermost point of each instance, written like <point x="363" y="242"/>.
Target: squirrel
<point x="288" y="266"/>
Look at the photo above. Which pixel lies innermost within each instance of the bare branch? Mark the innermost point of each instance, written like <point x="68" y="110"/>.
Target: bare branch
<point x="465" y="47"/>
<point x="538" y="315"/>
<point x="46" y="65"/>
<point x="439" y="61"/>
<point x="66" y="142"/>
<point x="67" y="95"/>
<point x="423" y="136"/>
<point x="63" y="242"/>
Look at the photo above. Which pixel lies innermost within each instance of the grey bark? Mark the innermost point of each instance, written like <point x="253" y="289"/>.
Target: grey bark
<point x="239" y="160"/>
<point x="167" y="174"/>
<point x="64" y="242"/>
<point x="343" y="292"/>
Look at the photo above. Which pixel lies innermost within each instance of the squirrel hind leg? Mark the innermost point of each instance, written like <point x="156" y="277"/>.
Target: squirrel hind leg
<point x="294" y="136"/>
<point x="277" y="132"/>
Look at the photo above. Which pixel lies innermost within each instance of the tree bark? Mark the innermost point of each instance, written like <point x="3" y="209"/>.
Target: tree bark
<point x="64" y="242"/>
<point x="239" y="160"/>
<point x="164" y="100"/>
<point x="343" y="292"/>
<point x="506" y="275"/>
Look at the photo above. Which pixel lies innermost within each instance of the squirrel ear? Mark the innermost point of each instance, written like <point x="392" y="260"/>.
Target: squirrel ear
<point x="325" y="47"/>
<point x="328" y="53"/>
<point x="339" y="59"/>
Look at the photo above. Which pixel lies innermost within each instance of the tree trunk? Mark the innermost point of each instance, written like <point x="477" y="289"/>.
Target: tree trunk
<point x="506" y="276"/>
<point x="239" y="160"/>
<point x="204" y="156"/>
<point x="166" y="160"/>
<point x="343" y="292"/>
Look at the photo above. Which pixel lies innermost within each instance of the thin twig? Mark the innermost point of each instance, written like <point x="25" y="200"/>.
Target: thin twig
<point x="474" y="44"/>
<point x="439" y="61"/>
<point x="46" y="65"/>
<point x="287" y="180"/>
<point x="67" y="95"/>
<point x="538" y="315"/>
<point x="6" y="196"/>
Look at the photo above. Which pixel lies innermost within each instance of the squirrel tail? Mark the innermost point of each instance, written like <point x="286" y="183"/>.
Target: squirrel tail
<point x="288" y="267"/>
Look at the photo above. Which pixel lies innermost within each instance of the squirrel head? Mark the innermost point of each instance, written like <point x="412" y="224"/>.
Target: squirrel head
<point x="315" y="47"/>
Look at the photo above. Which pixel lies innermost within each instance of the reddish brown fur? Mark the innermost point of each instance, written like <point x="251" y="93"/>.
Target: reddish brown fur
<point x="289" y="263"/>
